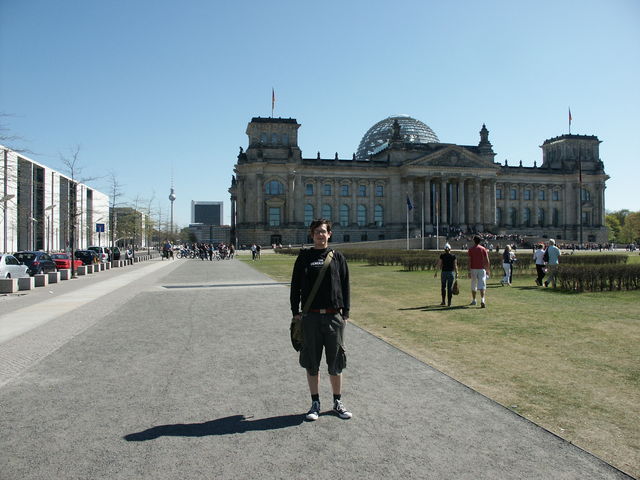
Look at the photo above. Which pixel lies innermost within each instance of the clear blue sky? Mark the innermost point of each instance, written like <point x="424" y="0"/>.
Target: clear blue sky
<point x="150" y="86"/>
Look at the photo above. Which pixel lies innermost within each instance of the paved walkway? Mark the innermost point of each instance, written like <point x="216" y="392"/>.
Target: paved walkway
<point x="187" y="372"/>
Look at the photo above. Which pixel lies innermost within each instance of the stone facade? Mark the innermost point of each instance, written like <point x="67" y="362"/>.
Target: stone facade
<point x="275" y="192"/>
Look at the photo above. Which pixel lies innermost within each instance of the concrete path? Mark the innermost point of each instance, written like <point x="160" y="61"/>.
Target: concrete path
<point x="187" y="372"/>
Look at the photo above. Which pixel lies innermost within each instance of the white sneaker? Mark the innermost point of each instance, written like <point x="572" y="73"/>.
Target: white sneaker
<point x="341" y="410"/>
<point x="314" y="412"/>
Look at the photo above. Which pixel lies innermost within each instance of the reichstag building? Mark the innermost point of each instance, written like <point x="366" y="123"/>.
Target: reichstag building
<point x="276" y="192"/>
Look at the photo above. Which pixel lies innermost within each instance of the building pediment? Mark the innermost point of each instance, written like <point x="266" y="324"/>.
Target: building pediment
<point x="451" y="156"/>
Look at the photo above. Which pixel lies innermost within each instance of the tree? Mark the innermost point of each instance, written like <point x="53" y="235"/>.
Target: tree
<point x="115" y="191"/>
<point x="630" y="232"/>
<point x="613" y="224"/>
<point x="72" y="166"/>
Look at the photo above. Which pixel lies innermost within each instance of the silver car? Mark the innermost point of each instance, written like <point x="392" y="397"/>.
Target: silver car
<point x="10" y="267"/>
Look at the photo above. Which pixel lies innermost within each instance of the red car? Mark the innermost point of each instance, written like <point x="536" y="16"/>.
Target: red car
<point x="63" y="261"/>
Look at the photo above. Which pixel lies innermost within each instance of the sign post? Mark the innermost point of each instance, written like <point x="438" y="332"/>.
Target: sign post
<point x="99" y="230"/>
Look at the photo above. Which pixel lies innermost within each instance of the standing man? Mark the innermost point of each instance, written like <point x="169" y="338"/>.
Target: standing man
<point x="328" y="313"/>
<point x="553" y="253"/>
<point x="479" y="270"/>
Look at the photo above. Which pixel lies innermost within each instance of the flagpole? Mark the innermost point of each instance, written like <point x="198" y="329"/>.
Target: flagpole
<point x="437" y="221"/>
<point x="407" y="226"/>
<point x="422" y="231"/>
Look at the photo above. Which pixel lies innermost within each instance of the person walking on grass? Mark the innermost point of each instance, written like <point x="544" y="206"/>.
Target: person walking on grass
<point x="553" y="254"/>
<point x="538" y="257"/>
<point x="479" y="270"/>
<point x="508" y="257"/>
<point x="324" y="314"/>
<point x="449" y="265"/>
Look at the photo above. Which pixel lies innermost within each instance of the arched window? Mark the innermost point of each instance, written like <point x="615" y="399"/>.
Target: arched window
<point x="274" y="138"/>
<point x="326" y="211"/>
<point x="285" y="139"/>
<point x="498" y="216"/>
<point x="513" y="216"/>
<point x="274" y="187"/>
<point x="526" y="217"/>
<point x="344" y="215"/>
<point x="378" y="215"/>
<point x="541" y="217"/>
<point x="308" y="214"/>
<point x="362" y="215"/>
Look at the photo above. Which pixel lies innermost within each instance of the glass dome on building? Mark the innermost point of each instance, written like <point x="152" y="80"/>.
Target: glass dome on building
<point x="378" y="136"/>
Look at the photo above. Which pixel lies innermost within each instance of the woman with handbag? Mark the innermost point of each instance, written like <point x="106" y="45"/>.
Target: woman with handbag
<point x="449" y="275"/>
<point x="320" y="283"/>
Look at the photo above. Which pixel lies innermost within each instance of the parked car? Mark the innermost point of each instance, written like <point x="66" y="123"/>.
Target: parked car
<point x="103" y="253"/>
<point x="115" y="253"/>
<point x="63" y="261"/>
<point x="36" y="261"/>
<point x="10" y="267"/>
<point x="88" y="257"/>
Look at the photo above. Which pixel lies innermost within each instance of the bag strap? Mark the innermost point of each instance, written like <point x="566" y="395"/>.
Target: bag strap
<point x="316" y="285"/>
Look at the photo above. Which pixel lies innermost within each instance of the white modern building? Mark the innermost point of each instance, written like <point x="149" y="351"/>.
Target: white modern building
<point x="42" y="209"/>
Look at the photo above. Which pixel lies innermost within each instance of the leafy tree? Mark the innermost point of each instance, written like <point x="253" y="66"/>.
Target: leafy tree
<point x="613" y="224"/>
<point x="631" y="229"/>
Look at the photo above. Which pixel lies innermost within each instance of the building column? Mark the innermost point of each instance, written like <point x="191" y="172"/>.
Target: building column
<point x="443" y="202"/>
<point x="427" y="201"/>
<point x="259" y="199"/>
<point x="534" y="191"/>
<point x="478" y="201"/>
<point x="371" y="190"/>
<point x="461" y="203"/>
<point x="291" y="202"/>
<point x="492" y="202"/>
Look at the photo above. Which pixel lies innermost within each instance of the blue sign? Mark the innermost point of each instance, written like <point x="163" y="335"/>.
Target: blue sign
<point x="99" y="227"/>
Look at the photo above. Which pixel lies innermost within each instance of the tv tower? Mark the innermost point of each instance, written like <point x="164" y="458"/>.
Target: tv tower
<point x="172" y="198"/>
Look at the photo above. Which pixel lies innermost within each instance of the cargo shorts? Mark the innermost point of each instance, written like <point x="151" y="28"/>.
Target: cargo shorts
<point x="323" y="330"/>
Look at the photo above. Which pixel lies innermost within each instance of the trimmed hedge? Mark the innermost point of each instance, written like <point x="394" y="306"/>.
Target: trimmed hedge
<point x="598" y="278"/>
<point x="579" y="273"/>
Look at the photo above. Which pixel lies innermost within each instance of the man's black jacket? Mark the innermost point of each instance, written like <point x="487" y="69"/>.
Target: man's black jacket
<point x="334" y="290"/>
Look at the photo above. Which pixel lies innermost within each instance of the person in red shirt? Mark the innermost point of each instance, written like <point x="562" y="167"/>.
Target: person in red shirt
<point x="479" y="270"/>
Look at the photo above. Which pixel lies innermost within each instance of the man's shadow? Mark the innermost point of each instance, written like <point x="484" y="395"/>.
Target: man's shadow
<point x="220" y="426"/>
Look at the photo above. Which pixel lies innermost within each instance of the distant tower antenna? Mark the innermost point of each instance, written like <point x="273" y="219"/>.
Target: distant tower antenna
<point x="172" y="198"/>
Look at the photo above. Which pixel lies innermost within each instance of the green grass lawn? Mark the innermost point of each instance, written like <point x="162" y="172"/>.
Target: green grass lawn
<point x="569" y="362"/>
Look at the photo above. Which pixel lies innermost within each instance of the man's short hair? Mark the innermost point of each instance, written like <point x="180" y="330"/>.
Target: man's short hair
<point x="316" y="223"/>
<point x="477" y="239"/>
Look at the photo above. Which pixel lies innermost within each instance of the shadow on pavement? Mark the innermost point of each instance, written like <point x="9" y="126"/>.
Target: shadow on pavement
<point x="220" y="426"/>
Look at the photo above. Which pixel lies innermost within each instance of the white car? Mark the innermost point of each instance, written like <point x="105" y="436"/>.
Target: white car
<point x="10" y="267"/>
<point x="103" y="253"/>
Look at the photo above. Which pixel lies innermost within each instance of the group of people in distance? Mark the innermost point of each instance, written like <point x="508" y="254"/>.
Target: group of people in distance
<point x="546" y="261"/>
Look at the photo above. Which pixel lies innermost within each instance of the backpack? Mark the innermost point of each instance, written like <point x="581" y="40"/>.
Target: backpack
<point x="545" y="257"/>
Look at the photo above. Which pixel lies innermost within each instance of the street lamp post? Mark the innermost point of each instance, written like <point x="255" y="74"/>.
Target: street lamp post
<point x="48" y="232"/>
